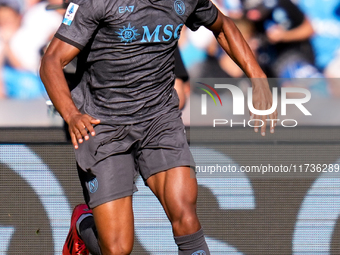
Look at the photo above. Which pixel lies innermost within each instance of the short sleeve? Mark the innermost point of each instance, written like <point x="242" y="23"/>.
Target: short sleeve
<point x="81" y="19"/>
<point x="205" y="14"/>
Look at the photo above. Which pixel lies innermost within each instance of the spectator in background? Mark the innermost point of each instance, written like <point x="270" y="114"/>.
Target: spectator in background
<point x="284" y="32"/>
<point x="325" y="18"/>
<point x="21" y="57"/>
<point x="30" y="3"/>
<point x="38" y="27"/>
<point x="285" y="50"/>
<point x="10" y="20"/>
<point x="279" y="34"/>
<point x="193" y="51"/>
<point x="217" y="63"/>
<point x="233" y="8"/>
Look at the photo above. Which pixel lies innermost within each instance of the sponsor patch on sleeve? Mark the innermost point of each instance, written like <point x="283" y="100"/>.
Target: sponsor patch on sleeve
<point x="70" y="13"/>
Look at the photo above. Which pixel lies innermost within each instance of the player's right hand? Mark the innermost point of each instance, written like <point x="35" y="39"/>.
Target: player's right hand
<point x="263" y="100"/>
<point x="80" y="126"/>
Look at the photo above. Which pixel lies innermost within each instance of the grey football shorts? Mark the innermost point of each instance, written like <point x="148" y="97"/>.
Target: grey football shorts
<point x="109" y="162"/>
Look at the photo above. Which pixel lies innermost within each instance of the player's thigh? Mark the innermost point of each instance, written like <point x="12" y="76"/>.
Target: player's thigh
<point x="176" y="189"/>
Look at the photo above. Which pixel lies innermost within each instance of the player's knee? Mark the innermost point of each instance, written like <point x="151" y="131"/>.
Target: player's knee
<point x="185" y="223"/>
<point x="117" y="248"/>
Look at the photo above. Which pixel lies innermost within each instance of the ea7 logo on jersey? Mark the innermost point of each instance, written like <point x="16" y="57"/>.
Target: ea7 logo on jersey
<point x="70" y="13"/>
<point x="123" y="9"/>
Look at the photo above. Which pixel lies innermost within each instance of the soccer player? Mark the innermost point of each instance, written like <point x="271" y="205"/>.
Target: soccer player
<point x="123" y="116"/>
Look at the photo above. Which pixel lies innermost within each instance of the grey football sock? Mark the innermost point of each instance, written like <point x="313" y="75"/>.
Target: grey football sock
<point x="88" y="233"/>
<point x="193" y="244"/>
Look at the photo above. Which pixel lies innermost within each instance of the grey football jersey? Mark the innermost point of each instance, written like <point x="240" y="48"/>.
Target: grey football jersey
<point x="126" y="62"/>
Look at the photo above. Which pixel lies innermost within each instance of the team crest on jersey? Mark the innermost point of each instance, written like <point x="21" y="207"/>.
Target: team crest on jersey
<point x="70" y="13"/>
<point x="179" y="7"/>
<point x="127" y="34"/>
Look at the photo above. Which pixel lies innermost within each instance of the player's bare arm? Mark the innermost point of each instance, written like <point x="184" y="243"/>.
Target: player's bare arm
<point x="232" y="41"/>
<point x="57" y="56"/>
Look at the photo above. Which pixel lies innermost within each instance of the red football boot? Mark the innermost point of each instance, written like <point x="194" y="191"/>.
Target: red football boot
<point x="74" y="245"/>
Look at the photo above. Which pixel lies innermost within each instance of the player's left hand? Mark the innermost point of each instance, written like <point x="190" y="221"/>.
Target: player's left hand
<point x="263" y="100"/>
